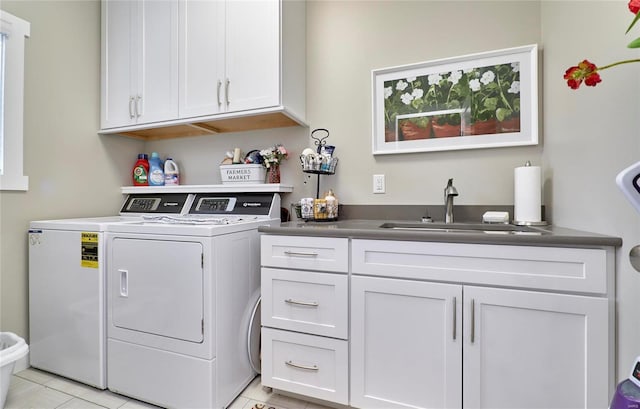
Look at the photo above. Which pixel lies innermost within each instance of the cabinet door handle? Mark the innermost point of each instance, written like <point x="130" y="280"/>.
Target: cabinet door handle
<point x="454" y="317"/>
<point x="307" y="367"/>
<point x="218" y="93"/>
<point x="138" y="109"/>
<point x="226" y="91"/>
<point x="300" y="254"/>
<point x="473" y="321"/>
<point x="305" y="303"/>
<point x="124" y="283"/>
<point x="131" y="102"/>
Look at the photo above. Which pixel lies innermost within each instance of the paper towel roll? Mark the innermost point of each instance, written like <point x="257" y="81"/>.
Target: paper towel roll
<point x="527" y="195"/>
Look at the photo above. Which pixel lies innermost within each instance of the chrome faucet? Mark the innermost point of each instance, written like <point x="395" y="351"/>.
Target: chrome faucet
<point x="449" y="193"/>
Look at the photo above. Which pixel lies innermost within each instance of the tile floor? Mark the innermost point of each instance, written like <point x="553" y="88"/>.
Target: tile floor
<point x="32" y="388"/>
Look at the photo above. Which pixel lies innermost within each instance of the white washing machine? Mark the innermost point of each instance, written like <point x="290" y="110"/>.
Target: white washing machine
<point x="67" y="313"/>
<point x="181" y="291"/>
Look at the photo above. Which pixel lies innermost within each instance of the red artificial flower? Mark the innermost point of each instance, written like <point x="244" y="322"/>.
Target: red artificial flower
<point x="588" y="73"/>
<point x="584" y="71"/>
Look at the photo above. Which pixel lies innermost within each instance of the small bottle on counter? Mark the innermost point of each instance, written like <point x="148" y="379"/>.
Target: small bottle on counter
<point x="140" y="171"/>
<point x="332" y="205"/>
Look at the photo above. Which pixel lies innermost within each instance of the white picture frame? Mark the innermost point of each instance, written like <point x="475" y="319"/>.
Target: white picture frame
<point x="483" y="100"/>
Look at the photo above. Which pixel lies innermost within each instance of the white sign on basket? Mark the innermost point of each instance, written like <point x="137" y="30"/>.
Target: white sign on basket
<point x="231" y="174"/>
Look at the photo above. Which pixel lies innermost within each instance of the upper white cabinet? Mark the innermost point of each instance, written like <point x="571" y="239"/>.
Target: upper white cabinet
<point x="224" y="65"/>
<point x="187" y="67"/>
<point x="140" y="66"/>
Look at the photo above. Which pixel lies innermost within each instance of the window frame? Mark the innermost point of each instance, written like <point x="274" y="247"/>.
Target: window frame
<point x="16" y="31"/>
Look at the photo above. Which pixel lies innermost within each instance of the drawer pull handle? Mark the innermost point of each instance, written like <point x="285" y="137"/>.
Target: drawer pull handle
<point x="305" y="303"/>
<point x="300" y="254"/>
<point x="307" y="367"/>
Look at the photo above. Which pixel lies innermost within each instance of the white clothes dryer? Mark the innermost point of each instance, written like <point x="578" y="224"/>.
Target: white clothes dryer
<point x="181" y="291"/>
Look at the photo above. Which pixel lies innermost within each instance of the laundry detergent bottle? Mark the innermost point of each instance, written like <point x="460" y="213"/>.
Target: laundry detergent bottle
<point x="156" y="170"/>
<point x="141" y="171"/>
<point x="171" y="172"/>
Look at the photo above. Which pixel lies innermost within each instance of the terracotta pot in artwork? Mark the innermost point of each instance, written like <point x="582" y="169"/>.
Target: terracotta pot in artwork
<point x="510" y="125"/>
<point x="445" y="130"/>
<point x="389" y="135"/>
<point x="411" y="131"/>
<point x="487" y="127"/>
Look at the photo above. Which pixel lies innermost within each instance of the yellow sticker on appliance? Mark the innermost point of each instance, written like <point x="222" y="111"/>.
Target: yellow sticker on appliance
<point x="89" y="244"/>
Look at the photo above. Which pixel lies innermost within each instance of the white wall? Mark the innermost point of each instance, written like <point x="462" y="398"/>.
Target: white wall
<point x="72" y="171"/>
<point x="591" y="135"/>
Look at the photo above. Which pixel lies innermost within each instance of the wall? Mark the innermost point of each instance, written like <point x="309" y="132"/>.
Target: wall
<point x="590" y="136"/>
<point x="72" y="172"/>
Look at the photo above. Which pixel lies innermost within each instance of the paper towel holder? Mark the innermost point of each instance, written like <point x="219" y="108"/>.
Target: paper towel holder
<point x="529" y="223"/>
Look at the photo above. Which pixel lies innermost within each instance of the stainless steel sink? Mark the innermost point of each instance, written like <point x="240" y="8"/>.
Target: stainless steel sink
<point x="463" y="227"/>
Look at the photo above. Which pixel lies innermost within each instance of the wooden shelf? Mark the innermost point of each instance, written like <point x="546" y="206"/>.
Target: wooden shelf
<point x="236" y="187"/>
<point x="238" y="122"/>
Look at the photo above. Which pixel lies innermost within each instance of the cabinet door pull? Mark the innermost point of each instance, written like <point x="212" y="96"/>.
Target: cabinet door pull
<point x="307" y="367"/>
<point x="218" y="92"/>
<point x="138" y="109"/>
<point x="305" y="303"/>
<point x="299" y="254"/>
<point x="473" y="321"/>
<point x="131" y="102"/>
<point x="454" y="317"/>
<point x="226" y="91"/>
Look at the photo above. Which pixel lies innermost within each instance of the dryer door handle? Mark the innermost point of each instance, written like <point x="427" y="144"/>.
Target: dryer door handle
<point x="124" y="283"/>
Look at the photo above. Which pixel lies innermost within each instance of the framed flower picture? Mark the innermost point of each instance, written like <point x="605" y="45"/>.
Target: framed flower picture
<point x="483" y="100"/>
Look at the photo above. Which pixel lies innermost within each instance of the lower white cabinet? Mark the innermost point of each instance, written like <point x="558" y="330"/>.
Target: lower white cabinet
<point x="438" y="325"/>
<point x="429" y="345"/>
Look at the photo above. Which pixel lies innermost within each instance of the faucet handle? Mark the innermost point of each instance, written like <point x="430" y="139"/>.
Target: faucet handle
<point x="450" y="190"/>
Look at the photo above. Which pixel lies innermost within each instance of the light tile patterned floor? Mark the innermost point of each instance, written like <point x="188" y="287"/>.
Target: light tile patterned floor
<point x="37" y="389"/>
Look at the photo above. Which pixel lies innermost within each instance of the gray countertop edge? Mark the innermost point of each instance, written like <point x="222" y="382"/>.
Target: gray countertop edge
<point x="369" y="229"/>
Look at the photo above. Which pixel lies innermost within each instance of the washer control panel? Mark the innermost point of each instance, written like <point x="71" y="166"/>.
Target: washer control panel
<point x="150" y="203"/>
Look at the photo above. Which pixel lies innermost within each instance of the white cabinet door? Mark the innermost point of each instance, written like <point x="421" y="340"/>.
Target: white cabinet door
<point x="406" y="344"/>
<point x="140" y="62"/>
<point x="201" y="29"/>
<point x="157" y="84"/>
<point x="535" y="350"/>
<point x="252" y="54"/>
<point x="118" y="47"/>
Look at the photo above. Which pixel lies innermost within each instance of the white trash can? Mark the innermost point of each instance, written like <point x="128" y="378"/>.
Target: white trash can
<point x="12" y="348"/>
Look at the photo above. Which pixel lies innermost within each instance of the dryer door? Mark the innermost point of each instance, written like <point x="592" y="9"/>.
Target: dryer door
<point x="156" y="287"/>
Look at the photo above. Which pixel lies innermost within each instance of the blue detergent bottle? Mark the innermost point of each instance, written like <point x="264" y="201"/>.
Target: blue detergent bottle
<point x="156" y="170"/>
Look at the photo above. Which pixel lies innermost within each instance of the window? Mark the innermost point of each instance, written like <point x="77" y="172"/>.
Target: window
<point x="13" y="32"/>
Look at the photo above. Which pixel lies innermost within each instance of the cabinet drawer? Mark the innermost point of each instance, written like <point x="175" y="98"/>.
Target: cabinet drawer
<point x="308" y="253"/>
<point x="315" y="303"/>
<point x="546" y="268"/>
<point x="305" y="364"/>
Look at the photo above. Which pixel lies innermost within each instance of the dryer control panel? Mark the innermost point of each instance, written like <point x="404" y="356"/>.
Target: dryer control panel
<point x="244" y="204"/>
